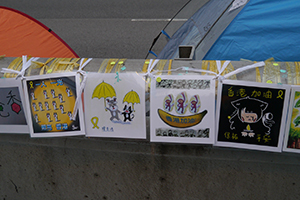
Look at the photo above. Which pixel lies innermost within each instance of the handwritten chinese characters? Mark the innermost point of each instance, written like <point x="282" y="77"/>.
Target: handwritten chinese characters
<point x="251" y="114"/>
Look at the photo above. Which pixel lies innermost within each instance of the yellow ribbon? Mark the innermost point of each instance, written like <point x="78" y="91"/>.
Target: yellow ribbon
<point x="13" y="65"/>
<point x="170" y="67"/>
<point x="204" y="66"/>
<point x="41" y="65"/>
<point x="103" y="64"/>
<point x="110" y="65"/>
<point x="160" y="66"/>
<point x="94" y="121"/>
<point x="145" y="66"/>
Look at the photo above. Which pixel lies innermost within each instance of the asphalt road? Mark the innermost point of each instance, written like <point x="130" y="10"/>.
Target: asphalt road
<point x="102" y="29"/>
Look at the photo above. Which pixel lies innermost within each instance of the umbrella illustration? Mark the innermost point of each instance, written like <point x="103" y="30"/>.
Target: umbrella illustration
<point x="131" y="97"/>
<point x="103" y="90"/>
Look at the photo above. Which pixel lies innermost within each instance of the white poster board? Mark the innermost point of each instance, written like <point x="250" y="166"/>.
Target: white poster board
<point x="12" y="112"/>
<point x="50" y="101"/>
<point x="182" y="109"/>
<point x="114" y="105"/>
<point x="251" y="115"/>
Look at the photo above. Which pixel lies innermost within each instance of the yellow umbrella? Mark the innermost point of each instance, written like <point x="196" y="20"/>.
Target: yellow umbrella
<point x="103" y="90"/>
<point x="131" y="97"/>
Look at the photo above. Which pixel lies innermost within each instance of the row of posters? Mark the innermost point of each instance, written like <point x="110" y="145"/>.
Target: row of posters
<point x="183" y="109"/>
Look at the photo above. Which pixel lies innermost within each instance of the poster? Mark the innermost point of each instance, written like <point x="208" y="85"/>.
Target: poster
<point x="115" y="105"/>
<point x="12" y="114"/>
<point x="50" y="101"/>
<point x="251" y="115"/>
<point x="182" y="109"/>
<point x="292" y="135"/>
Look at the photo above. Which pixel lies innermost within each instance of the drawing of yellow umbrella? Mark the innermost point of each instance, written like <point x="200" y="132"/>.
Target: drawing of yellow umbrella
<point x="104" y="90"/>
<point x="131" y="97"/>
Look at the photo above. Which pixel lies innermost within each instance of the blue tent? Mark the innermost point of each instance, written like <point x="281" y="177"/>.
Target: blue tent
<point x="254" y="30"/>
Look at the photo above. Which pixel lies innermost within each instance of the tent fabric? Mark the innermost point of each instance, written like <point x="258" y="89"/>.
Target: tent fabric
<point x="263" y="29"/>
<point x="191" y="32"/>
<point x="21" y="34"/>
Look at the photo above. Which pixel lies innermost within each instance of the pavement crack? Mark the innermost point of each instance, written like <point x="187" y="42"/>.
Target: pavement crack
<point x="14" y="185"/>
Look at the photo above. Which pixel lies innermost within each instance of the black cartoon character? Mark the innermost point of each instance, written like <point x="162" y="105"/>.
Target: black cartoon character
<point x="45" y="94"/>
<point x="56" y="117"/>
<point x="113" y="108"/>
<point x="61" y="98"/>
<point x="36" y="117"/>
<point x="34" y="107"/>
<point x="249" y="112"/>
<point x="68" y="91"/>
<point x="127" y="113"/>
<point x="54" y="105"/>
<point x="61" y="107"/>
<point x="70" y="115"/>
<point x="48" y="117"/>
<point x="47" y="105"/>
<point x="53" y="93"/>
<point x="41" y="106"/>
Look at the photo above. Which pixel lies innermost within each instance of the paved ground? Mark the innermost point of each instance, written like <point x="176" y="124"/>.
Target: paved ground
<point x="102" y="29"/>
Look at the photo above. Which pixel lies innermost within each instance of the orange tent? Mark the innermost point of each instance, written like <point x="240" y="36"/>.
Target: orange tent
<point x="21" y="34"/>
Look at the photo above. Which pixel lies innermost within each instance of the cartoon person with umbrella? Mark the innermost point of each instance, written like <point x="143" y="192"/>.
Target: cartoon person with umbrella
<point x="131" y="98"/>
<point x="106" y="91"/>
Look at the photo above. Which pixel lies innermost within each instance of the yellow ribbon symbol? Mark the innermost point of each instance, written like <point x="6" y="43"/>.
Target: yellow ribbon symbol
<point x="280" y="93"/>
<point x="94" y="121"/>
<point x="31" y="84"/>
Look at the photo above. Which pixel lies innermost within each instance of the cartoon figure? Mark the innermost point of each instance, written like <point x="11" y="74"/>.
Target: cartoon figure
<point x="127" y="113"/>
<point x="54" y="105"/>
<point x="45" y="94"/>
<point x="60" y="98"/>
<point x="70" y="115"/>
<point x="47" y="106"/>
<point x="169" y="103"/>
<point x="55" y="117"/>
<point x="32" y="96"/>
<point x="181" y="100"/>
<point x="113" y="108"/>
<point x="249" y="111"/>
<point x="59" y="82"/>
<point x="68" y="92"/>
<point x="53" y="93"/>
<point x="34" y="107"/>
<point x="61" y="107"/>
<point x="36" y="117"/>
<point x="41" y="106"/>
<point x="43" y="84"/>
<point x="48" y="117"/>
<point x="194" y="104"/>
